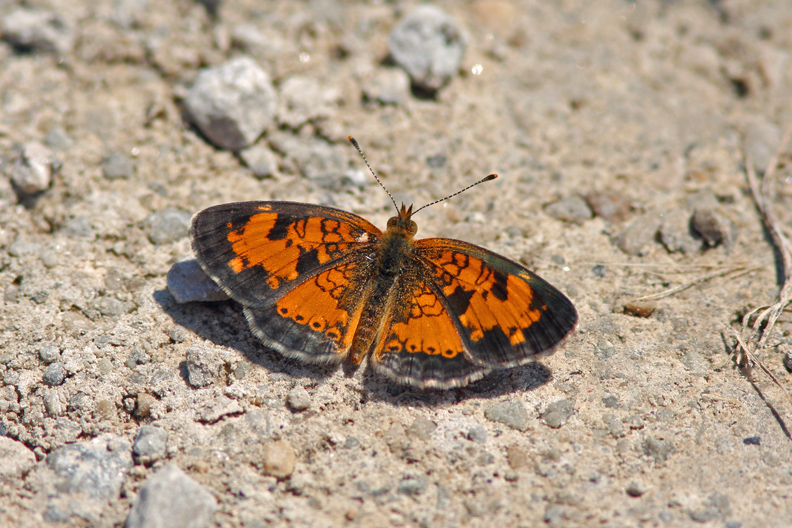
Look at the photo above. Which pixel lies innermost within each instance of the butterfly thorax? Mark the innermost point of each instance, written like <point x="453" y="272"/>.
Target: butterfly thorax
<point x="396" y="243"/>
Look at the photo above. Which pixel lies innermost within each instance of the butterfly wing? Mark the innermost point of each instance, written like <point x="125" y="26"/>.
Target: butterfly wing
<point x="506" y="314"/>
<point x="297" y="268"/>
<point x="419" y="342"/>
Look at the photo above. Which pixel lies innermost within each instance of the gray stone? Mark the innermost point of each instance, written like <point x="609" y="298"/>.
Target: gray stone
<point x="558" y="413"/>
<point x="48" y="352"/>
<point x="112" y="307"/>
<point x="477" y="433"/>
<point x="218" y="408"/>
<point x="38" y="30"/>
<point x="96" y="468"/>
<point x="303" y="99"/>
<point x="615" y="426"/>
<point x="171" y="499"/>
<point x="203" y="366"/>
<point x="117" y="166"/>
<point x="713" y="226"/>
<point x="58" y="139"/>
<point x="260" y="160"/>
<point x="137" y="357"/>
<point x="298" y="399"/>
<point x="639" y="235"/>
<point x="55" y="374"/>
<point x="676" y="233"/>
<point x="608" y="205"/>
<point x="16" y="460"/>
<point x="314" y="158"/>
<point x="79" y="227"/>
<point x="429" y="45"/>
<point x="33" y="169"/>
<point x="150" y="443"/>
<point x="511" y="413"/>
<point x="636" y="489"/>
<point x="412" y="485"/>
<point x="657" y="448"/>
<point x="167" y="226"/>
<point x="388" y="86"/>
<point x="422" y="428"/>
<point x="572" y="209"/>
<point x="761" y="142"/>
<point x="23" y="248"/>
<point x="188" y="282"/>
<point x="233" y="103"/>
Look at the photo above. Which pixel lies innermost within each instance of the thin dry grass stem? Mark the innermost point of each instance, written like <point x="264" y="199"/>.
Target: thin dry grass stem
<point x="720" y="273"/>
<point x="762" y="194"/>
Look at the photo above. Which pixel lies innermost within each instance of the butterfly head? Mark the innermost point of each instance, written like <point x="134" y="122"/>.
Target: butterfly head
<point x="403" y="223"/>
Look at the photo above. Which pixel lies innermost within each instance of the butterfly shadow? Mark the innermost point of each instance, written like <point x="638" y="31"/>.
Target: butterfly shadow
<point x="496" y="383"/>
<point x="223" y="323"/>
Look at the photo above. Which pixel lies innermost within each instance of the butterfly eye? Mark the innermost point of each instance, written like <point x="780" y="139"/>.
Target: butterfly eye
<point x="392" y="222"/>
<point x="413" y="227"/>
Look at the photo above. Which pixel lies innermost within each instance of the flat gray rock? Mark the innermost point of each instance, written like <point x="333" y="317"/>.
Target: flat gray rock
<point x="171" y="499"/>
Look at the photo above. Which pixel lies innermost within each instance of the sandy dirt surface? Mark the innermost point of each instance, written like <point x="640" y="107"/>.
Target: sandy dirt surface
<point x="612" y="127"/>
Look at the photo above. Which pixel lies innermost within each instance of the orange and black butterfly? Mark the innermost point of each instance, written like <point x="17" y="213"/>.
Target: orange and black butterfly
<point x="323" y="285"/>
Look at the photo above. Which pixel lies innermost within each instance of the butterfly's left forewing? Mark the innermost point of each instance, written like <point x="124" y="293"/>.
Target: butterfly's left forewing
<point x="258" y="251"/>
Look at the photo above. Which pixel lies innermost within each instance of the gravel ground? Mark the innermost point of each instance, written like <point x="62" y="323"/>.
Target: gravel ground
<point x="619" y="132"/>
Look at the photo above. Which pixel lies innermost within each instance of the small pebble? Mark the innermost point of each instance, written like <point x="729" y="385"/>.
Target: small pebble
<point x="787" y="351"/>
<point x="303" y="99"/>
<point x="388" y="86"/>
<point x="57" y="139"/>
<point x="314" y="158"/>
<point x="137" y="357"/>
<point x="38" y="30"/>
<point x="150" y="443"/>
<point x="412" y="485"/>
<point x="558" y="413"/>
<point x="188" y="282"/>
<point x="55" y="374"/>
<point x="517" y="456"/>
<point x="676" y="233"/>
<point x="22" y="248"/>
<point x="429" y="45"/>
<point x="203" y="366"/>
<point x="171" y="499"/>
<point x="279" y="459"/>
<point x="117" y="166"/>
<point x="615" y="426"/>
<point x="511" y="413"/>
<point x="422" y="428"/>
<point x="218" y="408"/>
<point x="232" y="103"/>
<point x="167" y="226"/>
<point x="572" y="209"/>
<point x="32" y="173"/>
<point x="713" y="227"/>
<point x="635" y="489"/>
<point x="260" y="160"/>
<point x="639" y="235"/>
<point x="96" y="468"/>
<point x="16" y="460"/>
<point x="761" y="142"/>
<point x="298" y="399"/>
<point x="639" y="308"/>
<point x="143" y="405"/>
<point x="477" y="434"/>
<point x="48" y="352"/>
<point x="657" y="448"/>
<point x="608" y="205"/>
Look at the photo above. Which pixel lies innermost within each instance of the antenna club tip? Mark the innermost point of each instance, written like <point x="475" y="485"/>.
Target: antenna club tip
<point x="490" y="177"/>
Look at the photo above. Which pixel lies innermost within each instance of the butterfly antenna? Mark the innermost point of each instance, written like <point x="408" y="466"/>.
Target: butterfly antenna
<point x="360" y="151"/>
<point x="482" y="180"/>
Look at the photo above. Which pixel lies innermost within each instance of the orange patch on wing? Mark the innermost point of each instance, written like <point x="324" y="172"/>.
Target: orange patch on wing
<point x="254" y="246"/>
<point x="493" y="304"/>
<point x="428" y="329"/>
<point x="317" y="305"/>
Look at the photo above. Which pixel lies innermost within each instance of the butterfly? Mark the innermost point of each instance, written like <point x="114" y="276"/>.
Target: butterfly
<point x="323" y="285"/>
